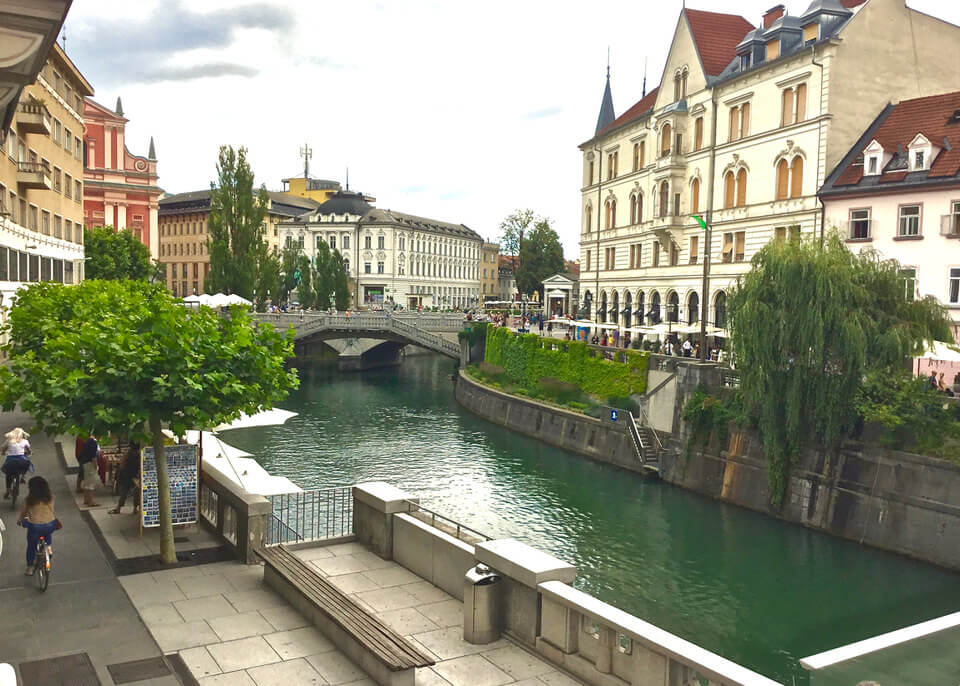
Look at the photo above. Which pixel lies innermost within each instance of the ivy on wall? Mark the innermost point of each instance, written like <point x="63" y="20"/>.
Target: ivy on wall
<point x="527" y="358"/>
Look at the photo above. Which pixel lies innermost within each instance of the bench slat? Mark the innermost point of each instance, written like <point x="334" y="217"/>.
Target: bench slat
<point x="390" y="647"/>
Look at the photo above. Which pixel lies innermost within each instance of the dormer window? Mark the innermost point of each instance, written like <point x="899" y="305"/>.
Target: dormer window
<point x="921" y="153"/>
<point x="874" y="159"/>
<point x="744" y="62"/>
<point x="918" y="160"/>
<point x="873" y="164"/>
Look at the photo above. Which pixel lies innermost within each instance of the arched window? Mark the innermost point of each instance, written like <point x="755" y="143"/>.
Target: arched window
<point x="673" y="307"/>
<point x="627" y="309"/>
<point x="602" y="312"/>
<point x="665" y="134"/>
<point x="640" y="311"/>
<point x="695" y="196"/>
<point x="654" y="314"/>
<point x="588" y="219"/>
<point x="729" y="190"/>
<point x="664" y="199"/>
<point x="615" y="312"/>
<point x="796" y="177"/>
<point x="783" y="182"/>
<point x="693" y="308"/>
<point x="676" y="86"/>
<point x="611" y="214"/>
<point x="742" y="188"/>
<point x="639" y="207"/>
<point x="633" y="209"/>
<point x="683" y="84"/>
<point x="720" y="310"/>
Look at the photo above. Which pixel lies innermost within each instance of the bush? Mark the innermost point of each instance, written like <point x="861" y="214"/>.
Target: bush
<point x="624" y="402"/>
<point x="558" y="391"/>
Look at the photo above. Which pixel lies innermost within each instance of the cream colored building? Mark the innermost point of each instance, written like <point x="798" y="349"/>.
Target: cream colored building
<point x="393" y="257"/>
<point x="743" y="130"/>
<point x="490" y="271"/>
<point x="41" y="150"/>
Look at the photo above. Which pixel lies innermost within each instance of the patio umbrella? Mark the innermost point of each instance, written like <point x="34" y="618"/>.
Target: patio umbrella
<point x="940" y="351"/>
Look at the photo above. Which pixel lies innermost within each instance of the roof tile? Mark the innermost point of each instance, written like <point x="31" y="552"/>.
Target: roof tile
<point x="716" y="36"/>
<point x="644" y="105"/>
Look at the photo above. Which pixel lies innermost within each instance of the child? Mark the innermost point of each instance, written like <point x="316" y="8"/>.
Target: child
<point x="38" y="510"/>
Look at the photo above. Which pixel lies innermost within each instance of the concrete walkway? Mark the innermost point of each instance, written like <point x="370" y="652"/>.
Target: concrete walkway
<point x="85" y="609"/>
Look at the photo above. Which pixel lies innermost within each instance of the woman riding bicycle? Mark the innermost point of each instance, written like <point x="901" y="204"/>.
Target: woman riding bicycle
<point x="38" y="518"/>
<point x="17" y="451"/>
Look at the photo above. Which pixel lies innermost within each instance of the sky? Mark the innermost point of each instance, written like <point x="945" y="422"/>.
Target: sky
<point x="455" y="110"/>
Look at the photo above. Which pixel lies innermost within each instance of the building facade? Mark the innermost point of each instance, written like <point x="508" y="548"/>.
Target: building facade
<point x="320" y="190"/>
<point x="184" y="232"/>
<point x="393" y="257"/>
<point x="120" y="189"/>
<point x="897" y="191"/>
<point x="490" y="276"/>
<point x="506" y="280"/>
<point x="41" y="151"/>
<point x="741" y="132"/>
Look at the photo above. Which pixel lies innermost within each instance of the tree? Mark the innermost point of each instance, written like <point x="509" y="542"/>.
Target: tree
<point x="123" y="357"/>
<point x="808" y="322"/>
<point x="512" y="231"/>
<point x="341" y="287"/>
<point x="114" y="255"/>
<point x="541" y="256"/>
<point x="236" y="225"/>
<point x="267" y="277"/>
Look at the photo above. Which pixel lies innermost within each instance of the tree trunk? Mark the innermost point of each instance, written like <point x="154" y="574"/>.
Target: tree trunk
<point x="168" y="551"/>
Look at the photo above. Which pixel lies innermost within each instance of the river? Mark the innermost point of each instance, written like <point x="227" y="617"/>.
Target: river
<point x="758" y="591"/>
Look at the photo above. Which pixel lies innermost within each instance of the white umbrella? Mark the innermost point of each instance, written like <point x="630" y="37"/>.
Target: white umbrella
<point x="234" y="299"/>
<point x="943" y="352"/>
<point x="607" y="326"/>
<point x="262" y="418"/>
<point x="566" y="322"/>
<point x="192" y="299"/>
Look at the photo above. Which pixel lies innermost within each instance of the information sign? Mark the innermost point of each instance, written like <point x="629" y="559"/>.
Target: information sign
<point x="183" y="475"/>
<point x="614" y="415"/>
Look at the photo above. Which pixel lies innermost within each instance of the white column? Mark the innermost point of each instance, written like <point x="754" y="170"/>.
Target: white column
<point x="154" y="233"/>
<point x="107" y="147"/>
<point x="121" y="217"/>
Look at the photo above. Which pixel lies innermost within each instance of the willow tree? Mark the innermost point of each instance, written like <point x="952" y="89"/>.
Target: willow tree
<point x="808" y="322"/>
<point x="122" y="358"/>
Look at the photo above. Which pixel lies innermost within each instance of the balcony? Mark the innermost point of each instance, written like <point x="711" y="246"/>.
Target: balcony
<point x="34" y="176"/>
<point x="670" y="159"/>
<point x="33" y="117"/>
<point x="950" y="225"/>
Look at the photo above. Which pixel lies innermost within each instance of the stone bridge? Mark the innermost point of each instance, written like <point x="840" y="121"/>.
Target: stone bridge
<point x="396" y="330"/>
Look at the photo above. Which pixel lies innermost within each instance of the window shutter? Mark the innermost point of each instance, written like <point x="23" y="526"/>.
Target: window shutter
<point x="796" y="180"/>
<point x="742" y="188"/>
<point x="740" y="243"/>
<point x="728" y="190"/>
<point x="801" y="102"/>
<point x="734" y="116"/>
<point x="695" y="196"/>
<point x="698" y="134"/>
<point x="727" y="246"/>
<point x="787" y="110"/>
<point x="783" y="172"/>
<point x="745" y="119"/>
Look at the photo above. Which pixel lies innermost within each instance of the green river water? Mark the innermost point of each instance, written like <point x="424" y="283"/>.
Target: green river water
<point x="755" y="590"/>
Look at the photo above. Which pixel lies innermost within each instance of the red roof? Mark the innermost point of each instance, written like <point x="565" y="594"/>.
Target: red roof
<point x="851" y="176"/>
<point x="716" y="36"/>
<point x="644" y="105"/>
<point x="850" y="4"/>
<point x="929" y="116"/>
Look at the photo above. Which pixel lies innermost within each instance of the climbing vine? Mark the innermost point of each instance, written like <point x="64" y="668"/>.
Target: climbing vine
<point x="808" y="321"/>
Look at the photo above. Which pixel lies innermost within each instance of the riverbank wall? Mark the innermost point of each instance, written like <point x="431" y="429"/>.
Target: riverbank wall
<point x="601" y="440"/>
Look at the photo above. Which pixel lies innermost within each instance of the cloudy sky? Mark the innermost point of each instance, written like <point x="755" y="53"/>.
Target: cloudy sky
<point x="456" y="110"/>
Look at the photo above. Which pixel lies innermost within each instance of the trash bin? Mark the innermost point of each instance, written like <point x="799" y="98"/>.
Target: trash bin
<point x="481" y="605"/>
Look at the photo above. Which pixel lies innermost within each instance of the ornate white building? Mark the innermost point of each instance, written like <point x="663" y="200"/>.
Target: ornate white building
<point x="742" y="131"/>
<point x="394" y="257"/>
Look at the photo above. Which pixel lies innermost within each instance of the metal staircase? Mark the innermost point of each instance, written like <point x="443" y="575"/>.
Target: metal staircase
<point x="647" y="444"/>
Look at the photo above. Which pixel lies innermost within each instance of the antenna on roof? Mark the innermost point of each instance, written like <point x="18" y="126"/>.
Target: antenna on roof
<point x="306" y="152"/>
<point x="348" y="178"/>
<point x="644" y="78"/>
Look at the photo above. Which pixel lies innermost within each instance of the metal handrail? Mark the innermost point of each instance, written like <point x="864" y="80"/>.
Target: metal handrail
<point x="417" y="507"/>
<point x="648" y="425"/>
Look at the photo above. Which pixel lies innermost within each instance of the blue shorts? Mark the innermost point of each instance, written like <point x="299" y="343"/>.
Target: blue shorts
<point x="16" y="464"/>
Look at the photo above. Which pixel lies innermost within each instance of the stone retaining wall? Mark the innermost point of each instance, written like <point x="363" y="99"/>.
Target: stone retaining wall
<point x="601" y="440"/>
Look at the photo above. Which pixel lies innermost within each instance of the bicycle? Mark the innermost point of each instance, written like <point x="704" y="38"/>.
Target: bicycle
<point x="42" y="562"/>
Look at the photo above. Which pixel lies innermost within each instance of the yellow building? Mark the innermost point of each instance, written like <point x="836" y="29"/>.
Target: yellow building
<point x="41" y="152"/>
<point x="306" y="187"/>
<point x="490" y="271"/>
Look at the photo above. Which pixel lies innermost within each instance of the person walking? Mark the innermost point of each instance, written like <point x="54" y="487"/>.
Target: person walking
<point x="127" y="477"/>
<point x="17" y="460"/>
<point x="88" y="469"/>
<point x="687" y="348"/>
<point x="40" y="519"/>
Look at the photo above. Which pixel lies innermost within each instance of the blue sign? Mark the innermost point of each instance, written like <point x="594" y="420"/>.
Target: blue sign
<point x="613" y="415"/>
<point x="182" y="468"/>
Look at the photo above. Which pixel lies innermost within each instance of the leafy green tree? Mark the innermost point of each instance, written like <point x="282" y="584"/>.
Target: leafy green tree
<point x="808" y="322"/>
<point x="292" y="261"/>
<point x="267" y="277"/>
<point x="123" y="357"/>
<point x="541" y="256"/>
<point x="236" y="225"/>
<point x="114" y="255"/>
<point x="513" y="229"/>
<point x="323" y="276"/>
<point x="341" y="287"/>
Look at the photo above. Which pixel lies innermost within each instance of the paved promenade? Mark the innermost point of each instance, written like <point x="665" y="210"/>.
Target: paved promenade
<point x="85" y="609"/>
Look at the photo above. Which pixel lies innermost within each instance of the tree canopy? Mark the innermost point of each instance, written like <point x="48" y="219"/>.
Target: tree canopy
<point x="114" y="255"/>
<point x="314" y="280"/>
<point x="534" y="247"/>
<point x="236" y="225"/>
<point x="123" y="357"/>
<point x="808" y="322"/>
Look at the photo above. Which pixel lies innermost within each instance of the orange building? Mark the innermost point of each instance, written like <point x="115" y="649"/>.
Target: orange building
<point x="120" y="188"/>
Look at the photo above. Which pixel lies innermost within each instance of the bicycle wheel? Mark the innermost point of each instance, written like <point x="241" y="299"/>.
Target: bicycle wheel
<point x="14" y="493"/>
<point x="41" y="567"/>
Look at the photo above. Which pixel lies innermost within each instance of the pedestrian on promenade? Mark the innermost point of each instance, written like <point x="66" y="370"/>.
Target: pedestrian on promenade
<point x="41" y="521"/>
<point x="932" y="381"/>
<point x="127" y="477"/>
<point x="88" y="469"/>
<point x="17" y="460"/>
<point x="687" y="348"/>
<point x="541" y="325"/>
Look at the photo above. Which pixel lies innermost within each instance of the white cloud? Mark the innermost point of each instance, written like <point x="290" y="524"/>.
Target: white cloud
<point x="460" y="111"/>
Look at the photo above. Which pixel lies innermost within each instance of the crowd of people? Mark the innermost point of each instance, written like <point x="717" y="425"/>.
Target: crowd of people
<point x="937" y="383"/>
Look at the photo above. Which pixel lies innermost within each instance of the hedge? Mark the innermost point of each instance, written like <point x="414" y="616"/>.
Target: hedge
<point x="527" y="358"/>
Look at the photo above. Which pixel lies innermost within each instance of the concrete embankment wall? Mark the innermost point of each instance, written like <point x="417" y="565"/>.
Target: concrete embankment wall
<point x="601" y="440"/>
<point x="904" y="503"/>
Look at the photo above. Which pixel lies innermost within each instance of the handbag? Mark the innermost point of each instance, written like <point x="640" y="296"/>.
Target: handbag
<point x="59" y="525"/>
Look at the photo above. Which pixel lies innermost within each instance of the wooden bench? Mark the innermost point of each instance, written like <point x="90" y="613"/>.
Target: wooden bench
<point x="380" y="651"/>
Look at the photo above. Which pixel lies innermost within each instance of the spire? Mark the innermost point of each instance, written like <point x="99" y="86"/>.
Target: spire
<point x="119" y="108"/>
<point x="644" y="78"/>
<point x="348" y="178"/>
<point x="606" y="107"/>
<point x="152" y="155"/>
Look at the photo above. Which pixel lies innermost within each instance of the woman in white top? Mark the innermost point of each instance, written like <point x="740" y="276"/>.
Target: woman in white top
<point x="17" y="451"/>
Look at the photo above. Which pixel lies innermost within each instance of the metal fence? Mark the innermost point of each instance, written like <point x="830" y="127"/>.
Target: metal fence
<point x="310" y="516"/>
<point x="446" y="524"/>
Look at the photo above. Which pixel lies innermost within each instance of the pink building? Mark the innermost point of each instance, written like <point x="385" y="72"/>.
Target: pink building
<point x="898" y="191"/>
<point x="120" y="188"/>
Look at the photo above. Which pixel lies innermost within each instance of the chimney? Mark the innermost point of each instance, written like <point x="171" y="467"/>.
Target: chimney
<point x="772" y="15"/>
